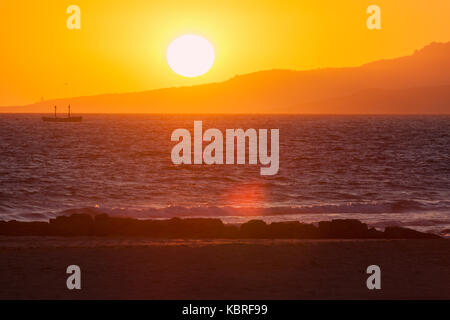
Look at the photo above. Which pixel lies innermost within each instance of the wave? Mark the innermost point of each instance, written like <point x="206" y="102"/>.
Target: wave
<point x="400" y="206"/>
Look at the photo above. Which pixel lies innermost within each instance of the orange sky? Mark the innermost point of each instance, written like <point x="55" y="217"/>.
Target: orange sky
<point x="121" y="45"/>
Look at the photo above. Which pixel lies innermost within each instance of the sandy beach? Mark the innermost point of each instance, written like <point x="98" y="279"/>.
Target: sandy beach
<point x="139" y="268"/>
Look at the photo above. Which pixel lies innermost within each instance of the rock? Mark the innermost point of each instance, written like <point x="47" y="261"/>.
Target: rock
<point x="197" y="228"/>
<point x="88" y="224"/>
<point x="375" y="234"/>
<point x="17" y="228"/>
<point x="254" y="229"/>
<point x="344" y="229"/>
<point x="292" y="230"/>
<point x="405" y="233"/>
<point x="231" y="231"/>
<point x="74" y="225"/>
<point x="105" y="225"/>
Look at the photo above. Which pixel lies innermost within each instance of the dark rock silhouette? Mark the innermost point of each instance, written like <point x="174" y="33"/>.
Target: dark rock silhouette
<point x="404" y="233"/>
<point x="76" y="224"/>
<point x="103" y="225"/>
<point x="254" y="229"/>
<point x="292" y="230"/>
<point x="348" y="229"/>
<point x="13" y="228"/>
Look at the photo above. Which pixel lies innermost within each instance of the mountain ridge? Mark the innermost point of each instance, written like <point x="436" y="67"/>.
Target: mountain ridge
<point x="325" y="90"/>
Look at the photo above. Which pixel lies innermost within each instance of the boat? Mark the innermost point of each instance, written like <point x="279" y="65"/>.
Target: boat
<point x="68" y="119"/>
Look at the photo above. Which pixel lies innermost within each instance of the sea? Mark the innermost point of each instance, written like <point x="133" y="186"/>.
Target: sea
<point x="382" y="170"/>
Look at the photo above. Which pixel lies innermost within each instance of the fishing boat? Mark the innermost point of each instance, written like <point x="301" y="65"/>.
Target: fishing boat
<point x="68" y="119"/>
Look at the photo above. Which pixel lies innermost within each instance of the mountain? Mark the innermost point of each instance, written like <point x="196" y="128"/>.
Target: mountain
<point x="419" y="100"/>
<point x="418" y="83"/>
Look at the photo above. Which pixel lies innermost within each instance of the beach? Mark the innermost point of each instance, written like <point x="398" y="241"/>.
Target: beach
<point x="143" y="268"/>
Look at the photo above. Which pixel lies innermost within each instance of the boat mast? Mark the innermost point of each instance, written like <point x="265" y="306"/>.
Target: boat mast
<point x="55" y="111"/>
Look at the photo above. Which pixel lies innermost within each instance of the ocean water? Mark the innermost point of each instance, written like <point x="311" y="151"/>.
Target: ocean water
<point x="384" y="170"/>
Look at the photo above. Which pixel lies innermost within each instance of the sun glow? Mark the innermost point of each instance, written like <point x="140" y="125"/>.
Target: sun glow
<point x="190" y="55"/>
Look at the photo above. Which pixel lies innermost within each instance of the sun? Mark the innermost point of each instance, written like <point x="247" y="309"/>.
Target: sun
<point x="190" y="55"/>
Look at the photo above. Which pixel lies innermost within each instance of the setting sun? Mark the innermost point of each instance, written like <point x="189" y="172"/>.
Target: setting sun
<point x="190" y="55"/>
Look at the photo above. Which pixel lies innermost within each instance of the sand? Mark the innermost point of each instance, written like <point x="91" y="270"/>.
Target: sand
<point x="114" y="268"/>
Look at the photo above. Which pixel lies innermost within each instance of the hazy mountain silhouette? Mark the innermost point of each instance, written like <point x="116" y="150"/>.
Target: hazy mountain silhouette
<point x="418" y="100"/>
<point x="418" y="83"/>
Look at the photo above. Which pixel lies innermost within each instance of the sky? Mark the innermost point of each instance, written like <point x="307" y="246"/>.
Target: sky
<point x="121" y="46"/>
